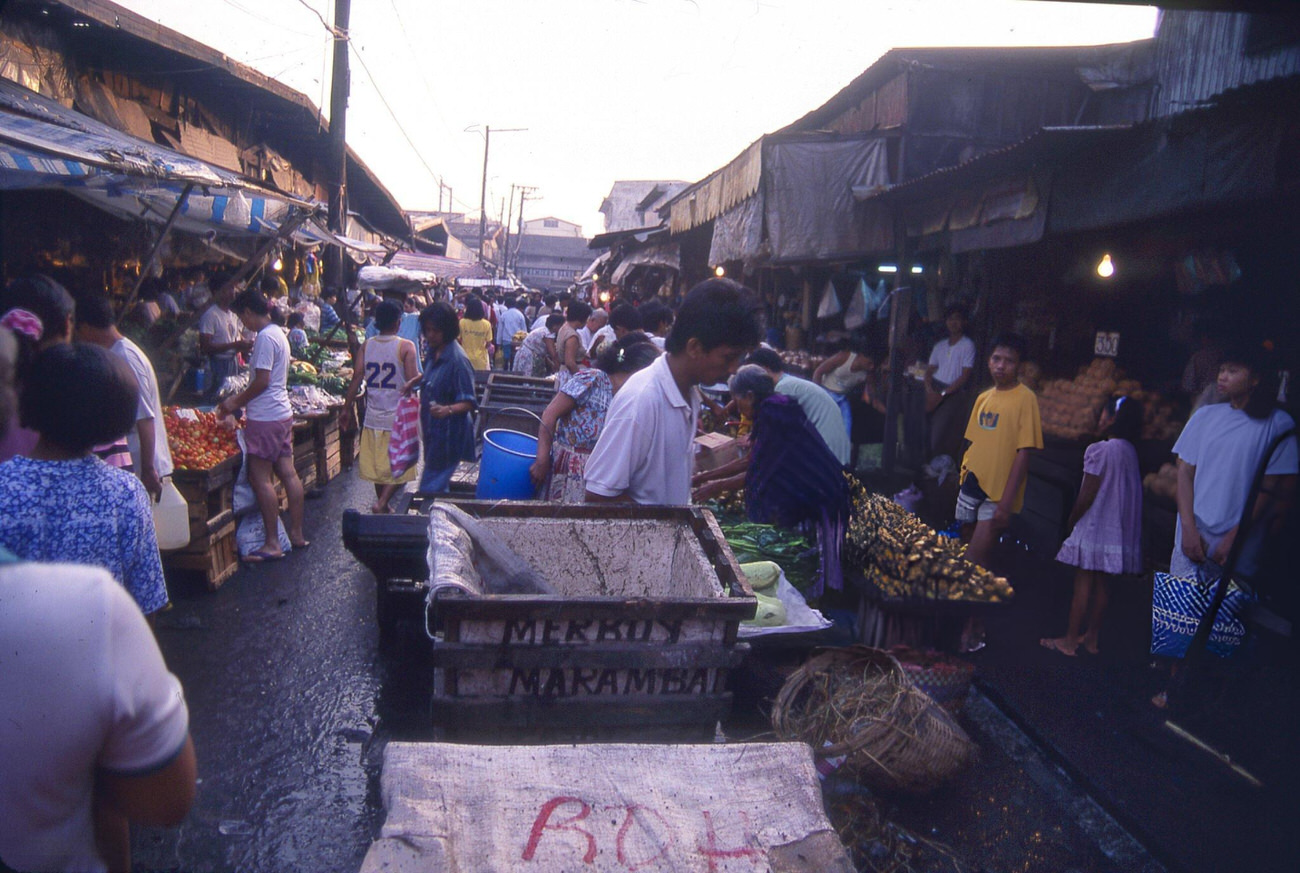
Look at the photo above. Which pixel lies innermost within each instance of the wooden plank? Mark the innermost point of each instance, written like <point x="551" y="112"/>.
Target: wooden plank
<point x="603" y="656"/>
<point x="588" y="712"/>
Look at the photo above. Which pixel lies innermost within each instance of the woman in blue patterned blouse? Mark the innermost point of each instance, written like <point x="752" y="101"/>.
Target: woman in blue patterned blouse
<point x="61" y="503"/>
<point x="572" y="421"/>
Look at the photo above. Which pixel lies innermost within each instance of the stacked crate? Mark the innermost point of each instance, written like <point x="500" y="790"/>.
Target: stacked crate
<point x="212" y="550"/>
<point x="304" y="451"/>
<point x="329" y="459"/>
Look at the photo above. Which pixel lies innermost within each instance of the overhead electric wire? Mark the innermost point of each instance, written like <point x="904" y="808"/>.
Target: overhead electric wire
<point x="356" y="50"/>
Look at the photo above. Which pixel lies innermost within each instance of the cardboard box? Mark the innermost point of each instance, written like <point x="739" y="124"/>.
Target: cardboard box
<point x="712" y="450"/>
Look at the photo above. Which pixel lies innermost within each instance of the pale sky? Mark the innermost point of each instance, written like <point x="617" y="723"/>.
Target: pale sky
<point x="607" y="89"/>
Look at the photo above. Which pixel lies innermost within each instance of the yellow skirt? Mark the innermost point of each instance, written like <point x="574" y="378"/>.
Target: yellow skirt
<point x="373" y="464"/>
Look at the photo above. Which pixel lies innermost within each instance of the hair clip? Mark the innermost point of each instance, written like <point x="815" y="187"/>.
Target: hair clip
<point x="621" y="353"/>
<point x="25" y="322"/>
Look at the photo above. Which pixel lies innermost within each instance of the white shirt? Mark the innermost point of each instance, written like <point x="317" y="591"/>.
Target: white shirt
<point x="604" y="335"/>
<point x="271" y="352"/>
<point x="84" y="686"/>
<point x="510" y="323"/>
<point x="150" y="406"/>
<point x="584" y="337"/>
<point x="222" y="325"/>
<point x="952" y="359"/>
<point x="646" y="449"/>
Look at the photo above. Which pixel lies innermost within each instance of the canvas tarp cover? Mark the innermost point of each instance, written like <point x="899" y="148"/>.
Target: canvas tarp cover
<point x="738" y="233"/>
<point x="666" y="255"/>
<point x="687" y="808"/>
<point x="808" y="193"/>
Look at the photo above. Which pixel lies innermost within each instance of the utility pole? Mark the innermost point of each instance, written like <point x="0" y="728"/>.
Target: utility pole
<point x="338" y="154"/>
<point x="524" y="191"/>
<point x="482" y="197"/>
<point x="509" y="218"/>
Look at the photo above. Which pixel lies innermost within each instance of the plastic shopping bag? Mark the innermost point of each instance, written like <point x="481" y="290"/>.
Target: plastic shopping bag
<point x="404" y="444"/>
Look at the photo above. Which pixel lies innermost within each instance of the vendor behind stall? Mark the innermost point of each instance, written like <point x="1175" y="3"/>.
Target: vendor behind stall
<point x="791" y="476"/>
<point x="948" y="378"/>
<point x="221" y="335"/>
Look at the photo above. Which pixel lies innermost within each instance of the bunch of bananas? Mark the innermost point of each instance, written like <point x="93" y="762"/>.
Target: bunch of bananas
<point x="905" y="558"/>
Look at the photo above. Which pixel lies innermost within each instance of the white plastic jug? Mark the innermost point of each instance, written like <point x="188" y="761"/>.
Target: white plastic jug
<point x="171" y="518"/>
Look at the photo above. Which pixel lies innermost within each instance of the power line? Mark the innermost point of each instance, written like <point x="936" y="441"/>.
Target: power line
<point x="331" y="29"/>
<point x="428" y="89"/>
<point x="356" y="50"/>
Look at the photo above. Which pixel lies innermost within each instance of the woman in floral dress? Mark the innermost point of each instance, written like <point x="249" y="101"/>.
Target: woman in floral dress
<point x="572" y="422"/>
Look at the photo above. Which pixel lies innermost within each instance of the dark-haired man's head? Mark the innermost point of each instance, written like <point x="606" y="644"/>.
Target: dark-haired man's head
<point x="297" y="320"/>
<point x="656" y="318"/>
<point x="955" y="318"/>
<point x="1248" y="378"/>
<point x="1009" y="351"/>
<point x="388" y="316"/>
<point x="96" y="320"/>
<point x="715" y="326"/>
<point x="77" y="395"/>
<point x="767" y="359"/>
<point x="624" y="320"/>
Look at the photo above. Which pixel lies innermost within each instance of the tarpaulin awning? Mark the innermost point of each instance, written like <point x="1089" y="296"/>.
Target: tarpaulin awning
<point x="811" y="213"/>
<point x="44" y="145"/>
<point x="600" y="261"/>
<point x="442" y="267"/>
<point x="667" y="255"/>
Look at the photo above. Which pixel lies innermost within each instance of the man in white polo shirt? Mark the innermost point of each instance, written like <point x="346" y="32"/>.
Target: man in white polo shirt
<point x="646" y="451"/>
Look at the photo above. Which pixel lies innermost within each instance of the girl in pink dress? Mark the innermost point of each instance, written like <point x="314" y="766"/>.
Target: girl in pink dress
<point x="1105" y="526"/>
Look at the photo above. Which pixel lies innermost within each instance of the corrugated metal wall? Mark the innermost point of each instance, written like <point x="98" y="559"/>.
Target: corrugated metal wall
<point x="1202" y="54"/>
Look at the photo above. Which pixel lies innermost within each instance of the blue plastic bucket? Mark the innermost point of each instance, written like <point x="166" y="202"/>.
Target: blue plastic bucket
<point x="503" y="470"/>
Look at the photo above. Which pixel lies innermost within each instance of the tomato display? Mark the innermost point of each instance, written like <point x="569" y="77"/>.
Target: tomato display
<point x="202" y="443"/>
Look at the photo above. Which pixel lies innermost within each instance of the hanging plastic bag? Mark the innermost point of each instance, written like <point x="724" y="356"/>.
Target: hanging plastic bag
<point x="404" y="444"/>
<point x="829" y="307"/>
<point x="856" y="315"/>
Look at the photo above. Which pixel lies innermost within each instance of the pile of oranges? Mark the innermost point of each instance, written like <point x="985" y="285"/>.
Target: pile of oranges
<point x="201" y="444"/>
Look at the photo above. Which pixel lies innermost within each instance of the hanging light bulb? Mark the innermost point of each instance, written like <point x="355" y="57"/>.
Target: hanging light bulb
<point x="719" y="271"/>
<point x="1105" y="267"/>
<point x="277" y="264"/>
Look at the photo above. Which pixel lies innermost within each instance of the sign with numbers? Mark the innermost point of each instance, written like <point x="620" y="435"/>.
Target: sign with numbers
<point x="1106" y="344"/>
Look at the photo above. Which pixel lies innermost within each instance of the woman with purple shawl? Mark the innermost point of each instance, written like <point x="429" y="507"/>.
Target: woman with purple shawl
<point x="790" y="476"/>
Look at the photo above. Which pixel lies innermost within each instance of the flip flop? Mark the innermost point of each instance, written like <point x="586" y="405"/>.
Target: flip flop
<point x="300" y="547"/>
<point x="261" y="556"/>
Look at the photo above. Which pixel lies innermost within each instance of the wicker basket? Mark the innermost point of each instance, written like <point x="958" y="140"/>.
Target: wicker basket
<point x="946" y="678"/>
<point x="859" y="702"/>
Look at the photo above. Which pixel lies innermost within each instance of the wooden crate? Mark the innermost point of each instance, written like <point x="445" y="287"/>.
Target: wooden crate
<point x="642" y="629"/>
<point x="208" y="495"/>
<point x="214" y="555"/>
<point x="306" y="467"/>
<point x="329" y="458"/>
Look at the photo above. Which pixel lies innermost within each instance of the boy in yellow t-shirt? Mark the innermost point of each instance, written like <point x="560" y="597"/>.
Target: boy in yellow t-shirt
<point x="1003" y="427"/>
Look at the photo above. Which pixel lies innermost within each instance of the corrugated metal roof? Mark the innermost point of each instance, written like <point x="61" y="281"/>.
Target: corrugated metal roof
<point x="1200" y="55"/>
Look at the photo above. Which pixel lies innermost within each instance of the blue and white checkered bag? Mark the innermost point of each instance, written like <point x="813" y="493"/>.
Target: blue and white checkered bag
<point x="1177" y="605"/>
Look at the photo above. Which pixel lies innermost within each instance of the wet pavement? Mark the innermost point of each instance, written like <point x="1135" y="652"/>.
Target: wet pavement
<point x="281" y="672"/>
<point x="291" y="703"/>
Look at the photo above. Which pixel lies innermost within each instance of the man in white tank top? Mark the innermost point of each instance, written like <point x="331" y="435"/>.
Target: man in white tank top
<point x="386" y="363"/>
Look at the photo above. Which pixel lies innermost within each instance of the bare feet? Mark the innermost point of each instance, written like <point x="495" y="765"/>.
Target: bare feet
<point x="1089" y="645"/>
<point x="1060" y="644"/>
<point x="380" y="509"/>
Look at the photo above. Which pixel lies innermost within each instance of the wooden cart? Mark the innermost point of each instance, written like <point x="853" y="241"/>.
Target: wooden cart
<point x="642" y="629"/>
